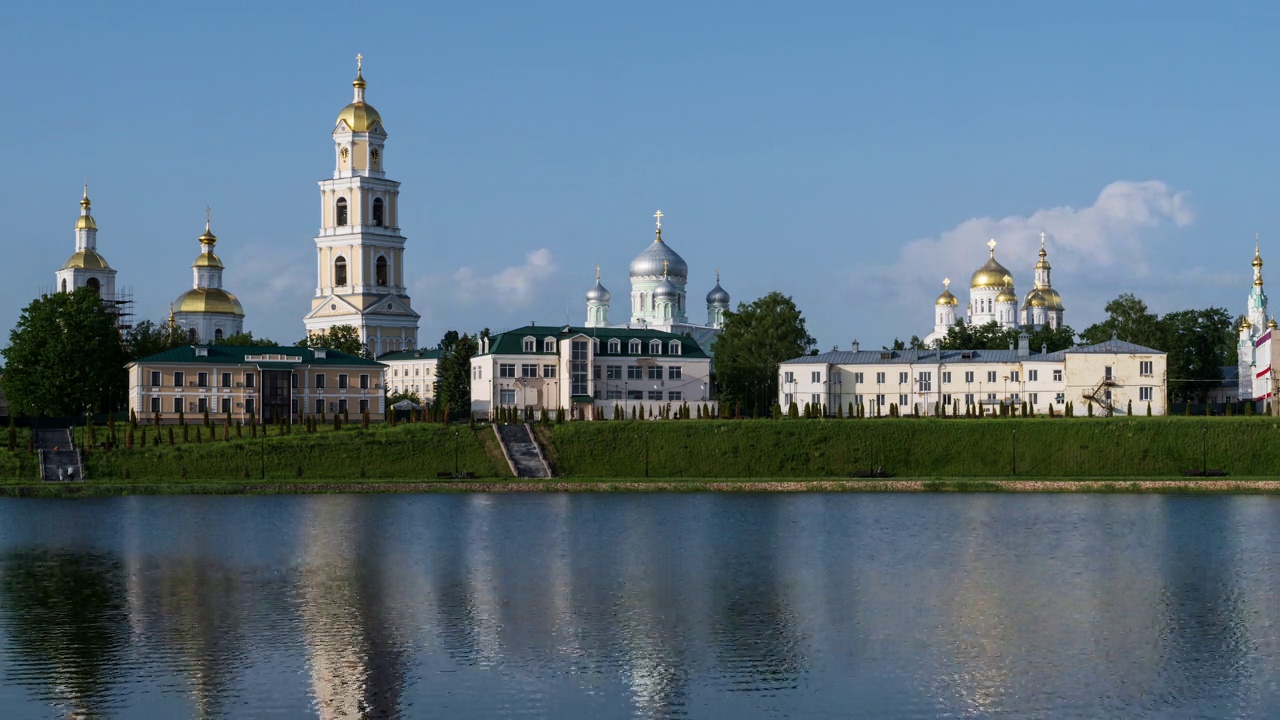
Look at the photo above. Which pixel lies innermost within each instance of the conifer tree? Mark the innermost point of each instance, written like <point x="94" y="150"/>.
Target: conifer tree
<point x="1148" y="408"/>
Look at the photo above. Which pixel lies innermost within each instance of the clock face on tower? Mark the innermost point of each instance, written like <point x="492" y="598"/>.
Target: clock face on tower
<point x="375" y="154"/>
<point x="344" y="153"/>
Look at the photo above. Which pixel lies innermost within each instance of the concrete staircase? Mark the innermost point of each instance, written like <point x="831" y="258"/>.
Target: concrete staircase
<point x="59" y="457"/>
<point x="522" y="451"/>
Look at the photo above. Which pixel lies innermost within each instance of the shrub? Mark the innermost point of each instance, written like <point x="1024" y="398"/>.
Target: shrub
<point x="1148" y="408"/>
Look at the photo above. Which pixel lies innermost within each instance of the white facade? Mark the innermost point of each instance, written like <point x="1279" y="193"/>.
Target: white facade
<point x="580" y="368"/>
<point x="86" y="267"/>
<point x="1108" y="375"/>
<point x="1254" y="344"/>
<point x="360" y="251"/>
<point x="413" y="371"/>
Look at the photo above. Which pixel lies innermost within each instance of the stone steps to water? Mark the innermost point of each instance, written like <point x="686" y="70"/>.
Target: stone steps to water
<point x="59" y="457"/>
<point x="522" y="451"/>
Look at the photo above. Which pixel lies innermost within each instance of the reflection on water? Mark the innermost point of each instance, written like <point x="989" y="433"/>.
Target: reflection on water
<point x="586" y="606"/>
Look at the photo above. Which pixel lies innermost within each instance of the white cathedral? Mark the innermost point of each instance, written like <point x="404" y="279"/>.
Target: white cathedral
<point x="992" y="298"/>
<point x="1253" y="349"/>
<point x="360" y="251"/>
<point x="658" y="299"/>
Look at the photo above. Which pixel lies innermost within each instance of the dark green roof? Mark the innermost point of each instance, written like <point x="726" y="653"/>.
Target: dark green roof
<point x="240" y="353"/>
<point x="511" y="342"/>
<point x="422" y="354"/>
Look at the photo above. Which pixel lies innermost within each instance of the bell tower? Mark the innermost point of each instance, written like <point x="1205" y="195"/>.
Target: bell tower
<point x="359" y="250"/>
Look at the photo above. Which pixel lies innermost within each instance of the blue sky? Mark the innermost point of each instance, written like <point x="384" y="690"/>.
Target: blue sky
<point x="850" y="155"/>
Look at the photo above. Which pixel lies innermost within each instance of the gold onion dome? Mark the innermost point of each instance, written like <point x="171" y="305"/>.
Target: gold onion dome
<point x="1036" y="300"/>
<point x="992" y="274"/>
<point x="1006" y="296"/>
<point x="946" y="298"/>
<point x="1052" y="298"/>
<point x="85" y="260"/>
<point x="1245" y="324"/>
<point x="85" y="221"/>
<point x="359" y="116"/>
<point x="208" y="300"/>
<point x="1271" y="324"/>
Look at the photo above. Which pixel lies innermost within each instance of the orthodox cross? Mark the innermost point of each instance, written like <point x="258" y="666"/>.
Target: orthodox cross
<point x="992" y="244"/>
<point x="597" y="272"/>
<point x="946" y="283"/>
<point x="1042" y="241"/>
<point x="207" y="210"/>
<point x="659" y="216"/>
<point x="359" y="58"/>
<point x="717" y="276"/>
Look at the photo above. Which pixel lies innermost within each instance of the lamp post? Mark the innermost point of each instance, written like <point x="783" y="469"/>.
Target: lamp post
<point x="263" y="445"/>
<point x="646" y="452"/>
<point x="455" y="453"/>
<point x="1204" y="451"/>
<point x="1015" y="451"/>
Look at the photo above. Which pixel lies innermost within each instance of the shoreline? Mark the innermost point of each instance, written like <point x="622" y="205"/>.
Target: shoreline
<point x="915" y="485"/>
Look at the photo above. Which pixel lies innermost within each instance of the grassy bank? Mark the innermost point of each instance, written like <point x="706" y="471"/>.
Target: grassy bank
<point x="405" y="452"/>
<point x="917" y="448"/>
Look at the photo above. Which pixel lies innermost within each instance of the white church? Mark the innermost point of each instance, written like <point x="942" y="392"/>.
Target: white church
<point x="992" y="298"/>
<point x="658" y="299"/>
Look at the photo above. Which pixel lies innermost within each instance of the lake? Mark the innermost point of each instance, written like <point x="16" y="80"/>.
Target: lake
<point x="641" y="606"/>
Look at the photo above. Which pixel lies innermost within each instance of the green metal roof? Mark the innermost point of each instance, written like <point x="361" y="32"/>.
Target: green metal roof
<point x="421" y="354"/>
<point x="241" y="353"/>
<point x="511" y="342"/>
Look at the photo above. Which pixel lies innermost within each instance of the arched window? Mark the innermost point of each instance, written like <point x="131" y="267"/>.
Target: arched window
<point x="633" y="347"/>
<point x="64" y="286"/>
<point x="377" y="213"/>
<point x="380" y="267"/>
<point x="191" y="335"/>
<point x="217" y="334"/>
<point x="92" y="283"/>
<point x="615" y="347"/>
<point x="340" y="271"/>
<point x="549" y="345"/>
<point x="342" y="211"/>
<point x="655" y="347"/>
<point x="673" y="347"/>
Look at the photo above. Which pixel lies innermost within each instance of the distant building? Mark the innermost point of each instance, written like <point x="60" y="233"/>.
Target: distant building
<point x="88" y="268"/>
<point x="580" y="368"/>
<point x="1107" y="375"/>
<point x="207" y="312"/>
<point x="268" y="383"/>
<point x="413" y="371"/>
<point x="1253" y="373"/>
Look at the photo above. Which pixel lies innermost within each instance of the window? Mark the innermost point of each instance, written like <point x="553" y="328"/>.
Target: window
<point x="615" y="347"/>
<point x="529" y="345"/>
<point x="295" y="406"/>
<point x="1013" y="375"/>
<point x="342" y="381"/>
<point x="226" y="405"/>
<point x="179" y="378"/>
<point x="1014" y="397"/>
<point x="341" y="207"/>
<point x="633" y="347"/>
<point x="155" y="378"/>
<point x="675" y="372"/>
<point x="1033" y="398"/>
<point x="925" y="381"/>
<point x="946" y="399"/>
<point x="1060" y="398"/>
<point x="787" y="400"/>
<point x="340" y="271"/>
<point x="249" y="405"/>
<point x="946" y="377"/>
<point x="155" y="403"/>
<point x="675" y="395"/>
<point x="507" y="370"/>
<point x="293" y="380"/>
<point x="968" y="376"/>
<point x="903" y="377"/>
<point x="903" y="400"/>
<point x="319" y="406"/>
<point x="364" y="405"/>
<point x="377" y="215"/>
<point x="217" y="334"/>
<point x="528" y="370"/>
<point x="64" y="286"/>
<point x="595" y="346"/>
<point x="673" y="347"/>
<point x="595" y="373"/>
<point x="613" y="372"/>
<point x="815" y="376"/>
<point x="635" y="395"/>
<point x="968" y="398"/>
<point x="380" y="272"/>
<point x="1057" y="376"/>
<point x="879" y="377"/>
<point x="1144" y="394"/>
<point x="991" y="376"/>
<point x="1108" y="372"/>
<point x="857" y="400"/>
<point x="1144" y="368"/>
<point x="857" y="377"/>
<point x="655" y="372"/>
<point x="320" y="380"/>
<point x="788" y="377"/>
<point x="991" y="399"/>
<point x="92" y="284"/>
<point x="1032" y="376"/>
<point x="364" y="382"/>
<point x="177" y="404"/>
<point x="634" y="372"/>
<point x="879" y="401"/>
<point x="655" y="394"/>
<point x="225" y="380"/>
<point x="342" y="405"/>
<point x="249" y="379"/>
<point x="578" y="369"/>
<point x="655" y="347"/>
<point x="548" y="345"/>
<point x="613" y="395"/>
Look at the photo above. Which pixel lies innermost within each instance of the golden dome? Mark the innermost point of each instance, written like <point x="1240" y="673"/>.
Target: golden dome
<point x="946" y="298"/>
<point x="85" y="222"/>
<point x="1245" y="324"/>
<point x="1036" y="300"/>
<point x="1006" y="296"/>
<point x="1257" y="258"/>
<point x="208" y="260"/>
<point x="208" y="300"/>
<point x="992" y="274"/>
<point x="359" y="117"/>
<point x="1052" y="299"/>
<point x="1271" y="324"/>
<point x="85" y="260"/>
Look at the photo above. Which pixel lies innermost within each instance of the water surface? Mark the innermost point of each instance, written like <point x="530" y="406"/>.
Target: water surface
<point x="641" y="606"/>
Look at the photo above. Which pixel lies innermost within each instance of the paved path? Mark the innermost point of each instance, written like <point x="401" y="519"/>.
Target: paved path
<point x="522" y="451"/>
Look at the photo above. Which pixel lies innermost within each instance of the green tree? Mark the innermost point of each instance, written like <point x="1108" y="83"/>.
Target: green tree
<point x="399" y="395"/>
<point x="991" y="336"/>
<point x="1052" y="339"/>
<point x="148" y="338"/>
<point x="246" y="339"/>
<point x="1199" y="343"/>
<point x="65" y="355"/>
<point x="1128" y="319"/>
<point x="756" y="338"/>
<point x="453" y="386"/>
<point x="343" y="338"/>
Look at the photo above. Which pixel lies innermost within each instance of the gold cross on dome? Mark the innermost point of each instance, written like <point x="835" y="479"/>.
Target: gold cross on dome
<point x="207" y="210"/>
<point x="1041" y="239"/>
<point x="659" y="216"/>
<point x="946" y="283"/>
<point x="992" y="244"/>
<point x="359" y="59"/>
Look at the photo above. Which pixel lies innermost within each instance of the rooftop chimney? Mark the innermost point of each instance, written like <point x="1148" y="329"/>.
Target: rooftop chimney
<point x="1024" y="345"/>
<point x="855" y="346"/>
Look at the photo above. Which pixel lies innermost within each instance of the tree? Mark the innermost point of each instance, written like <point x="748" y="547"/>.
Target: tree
<point x="400" y="395"/>
<point x="343" y="338"/>
<point x="65" y="355"/>
<point x="453" y="387"/>
<point x="246" y="339"/>
<point x="1052" y="339"/>
<point x="1128" y="319"/>
<point x="756" y="338"/>
<point x="991" y="336"/>
<point x="148" y="338"/>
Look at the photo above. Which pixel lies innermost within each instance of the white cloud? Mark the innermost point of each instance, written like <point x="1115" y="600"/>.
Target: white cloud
<point x="1104" y="247"/>
<point x="275" y="285"/>
<point x="509" y="287"/>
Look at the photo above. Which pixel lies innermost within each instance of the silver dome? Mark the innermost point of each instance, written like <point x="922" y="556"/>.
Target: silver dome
<point x="650" y="263"/>
<point x="666" y="290"/>
<point x="598" y="293"/>
<point x="718" y="296"/>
